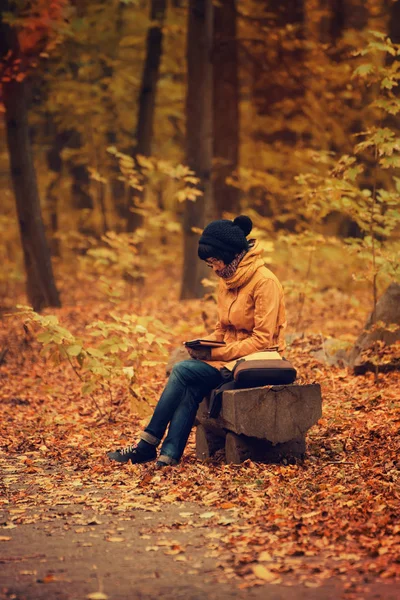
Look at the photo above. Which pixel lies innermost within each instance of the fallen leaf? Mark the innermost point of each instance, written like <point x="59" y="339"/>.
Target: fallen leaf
<point x="226" y="521"/>
<point x="49" y="578"/>
<point x="97" y="596"/>
<point x="263" y="573"/>
<point x="227" y="505"/>
<point x="174" y="550"/>
<point x="94" y="521"/>
<point x="265" y="557"/>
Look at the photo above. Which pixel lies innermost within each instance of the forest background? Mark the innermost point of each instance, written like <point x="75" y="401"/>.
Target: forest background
<point x="128" y="125"/>
<point x="288" y="113"/>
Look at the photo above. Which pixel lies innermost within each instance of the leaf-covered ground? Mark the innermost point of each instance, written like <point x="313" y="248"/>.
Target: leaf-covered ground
<point x="334" y="516"/>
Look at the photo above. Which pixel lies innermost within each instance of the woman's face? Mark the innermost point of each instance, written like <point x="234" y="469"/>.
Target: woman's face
<point x="215" y="264"/>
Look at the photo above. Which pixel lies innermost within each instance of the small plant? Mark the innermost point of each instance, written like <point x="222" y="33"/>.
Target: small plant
<point x="117" y="256"/>
<point x="142" y="169"/>
<point x="100" y="366"/>
<point x="364" y="186"/>
<point x="304" y="246"/>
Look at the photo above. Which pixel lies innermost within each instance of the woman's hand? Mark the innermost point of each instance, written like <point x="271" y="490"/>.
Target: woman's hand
<point x="200" y="353"/>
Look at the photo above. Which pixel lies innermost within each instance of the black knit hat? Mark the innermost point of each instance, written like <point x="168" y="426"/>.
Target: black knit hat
<point x="225" y="236"/>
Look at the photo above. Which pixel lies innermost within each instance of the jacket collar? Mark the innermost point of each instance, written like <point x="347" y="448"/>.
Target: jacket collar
<point x="249" y="264"/>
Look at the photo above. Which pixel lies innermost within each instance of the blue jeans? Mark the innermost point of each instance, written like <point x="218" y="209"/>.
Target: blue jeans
<point x="189" y="382"/>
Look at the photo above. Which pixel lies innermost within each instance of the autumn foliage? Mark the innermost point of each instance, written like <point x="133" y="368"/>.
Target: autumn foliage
<point x="121" y="181"/>
<point x="333" y="515"/>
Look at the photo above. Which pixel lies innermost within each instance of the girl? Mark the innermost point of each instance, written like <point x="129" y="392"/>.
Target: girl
<point x="251" y="315"/>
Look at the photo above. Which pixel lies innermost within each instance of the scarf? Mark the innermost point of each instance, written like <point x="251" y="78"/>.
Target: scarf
<point x="230" y="269"/>
<point x="247" y="265"/>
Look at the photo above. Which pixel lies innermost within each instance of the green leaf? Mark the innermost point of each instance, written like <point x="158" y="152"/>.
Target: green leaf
<point x="95" y="352"/>
<point x="390" y="161"/>
<point x="150" y="337"/>
<point x="388" y="84"/>
<point x="151" y="363"/>
<point x="378" y="34"/>
<point x="383" y="47"/>
<point x="129" y="371"/>
<point x="50" y="320"/>
<point x="88" y="387"/>
<point x="161" y="341"/>
<point x="74" y="350"/>
<point x="45" y="337"/>
<point x="391" y="106"/>
<point x="113" y="348"/>
<point x="363" y="70"/>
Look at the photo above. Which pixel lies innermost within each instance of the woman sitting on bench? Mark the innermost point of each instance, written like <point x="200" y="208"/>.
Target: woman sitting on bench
<point x="251" y="317"/>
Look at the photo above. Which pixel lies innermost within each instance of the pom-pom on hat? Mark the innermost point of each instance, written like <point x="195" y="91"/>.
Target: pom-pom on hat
<point x="227" y="236"/>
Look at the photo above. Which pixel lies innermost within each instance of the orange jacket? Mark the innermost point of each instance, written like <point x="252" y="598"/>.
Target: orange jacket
<point x="251" y="311"/>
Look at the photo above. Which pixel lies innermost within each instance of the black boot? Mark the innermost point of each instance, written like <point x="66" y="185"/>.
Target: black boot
<point x="142" y="453"/>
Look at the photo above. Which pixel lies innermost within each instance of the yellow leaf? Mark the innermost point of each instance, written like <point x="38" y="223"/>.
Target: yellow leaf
<point x="263" y="573"/>
<point x="227" y="505"/>
<point x="27" y="572"/>
<point x="97" y="596"/>
<point x="264" y="557"/>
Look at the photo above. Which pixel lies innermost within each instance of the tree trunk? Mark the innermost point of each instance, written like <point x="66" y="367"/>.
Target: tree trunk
<point x="147" y="98"/>
<point x="41" y="288"/>
<point x="226" y="106"/>
<point x="281" y="76"/>
<point x="198" y="139"/>
<point x="341" y="15"/>
<point x="118" y="188"/>
<point x="80" y="186"/>
<point x="54" y="164"/>
<point x="394" y="23"/>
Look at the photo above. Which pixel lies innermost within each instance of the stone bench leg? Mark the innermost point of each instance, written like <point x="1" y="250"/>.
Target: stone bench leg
<point x="207" y="442"/>
<point x="238" y="448"/>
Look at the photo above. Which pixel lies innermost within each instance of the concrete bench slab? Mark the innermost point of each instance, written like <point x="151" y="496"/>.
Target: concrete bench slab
<point x="265" y="423"/>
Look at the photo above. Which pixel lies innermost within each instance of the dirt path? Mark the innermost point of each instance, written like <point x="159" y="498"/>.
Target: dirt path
<point x="70" y="552"/>
<point x="144" y="555"/>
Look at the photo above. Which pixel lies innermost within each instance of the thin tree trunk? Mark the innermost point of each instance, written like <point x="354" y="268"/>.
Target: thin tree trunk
<point x="147" y="98"/>
<point x="394" y="24"/>
<point x="41" y="288"/>
<point x="54" y="164"/>
<point x="341" y="15"/>
<point x="118" y="188"/>
<point x="226" y="106"/>
<point x="80" y="186"/>
<point x="198" y="139"/>
<point x="52" y="206"/>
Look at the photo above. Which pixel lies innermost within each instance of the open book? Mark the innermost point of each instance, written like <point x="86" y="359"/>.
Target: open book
<point x="260" y="355"/>
<point x="203" y="344"/>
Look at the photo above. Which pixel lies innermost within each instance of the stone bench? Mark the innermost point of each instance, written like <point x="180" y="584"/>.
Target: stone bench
<point x="266" y="424"/>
